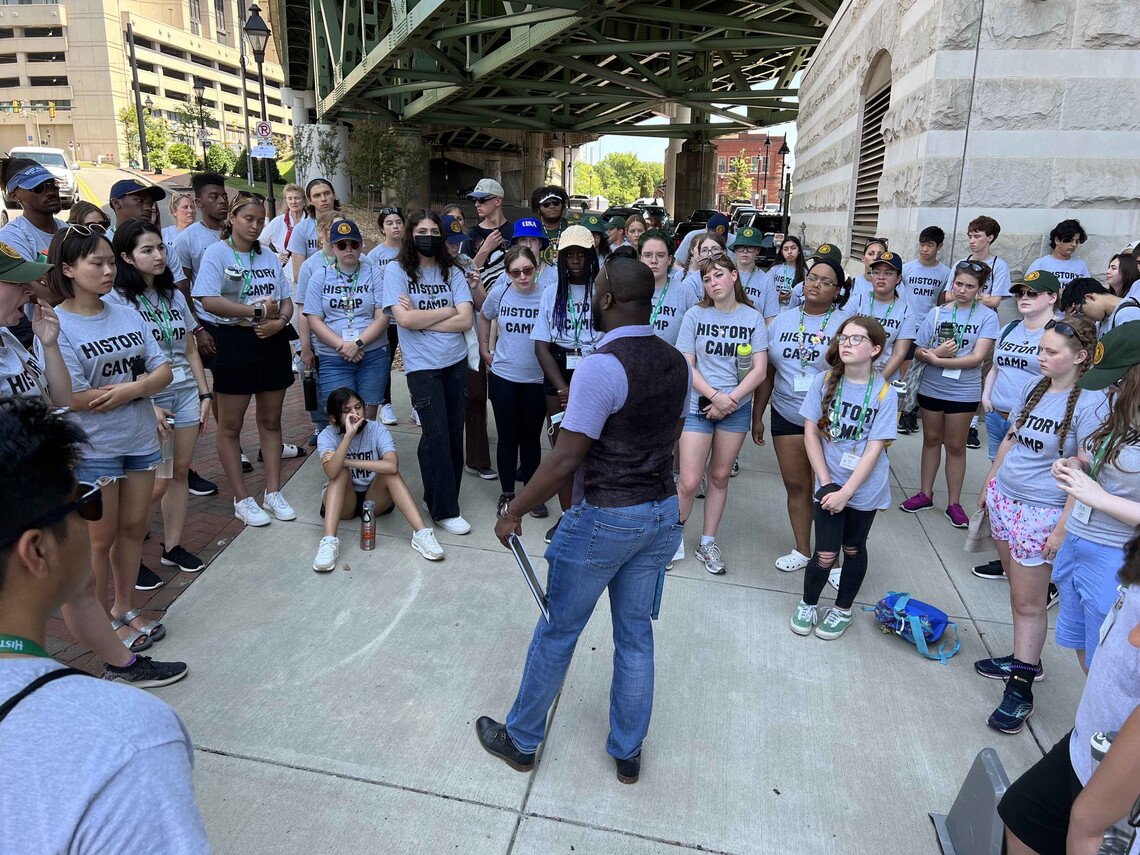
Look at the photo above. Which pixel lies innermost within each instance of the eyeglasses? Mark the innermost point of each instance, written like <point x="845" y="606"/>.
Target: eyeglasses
<point x="521" y="271"/>
<point x="813" y="279"/>
<point x="344" y="245"/>
<point x="1066" y="330"/>
<point x="87" y="229"/>
<point x="975" y="266"/>
<point x="89" y="506"/>
<point x="656" y="256"/>
<point x="854" y="338"/>
<point x="711" y="252"/>
<point x="46" y="187"/>
<point x="384" y="212"/>
<point x="1025" y="292"/>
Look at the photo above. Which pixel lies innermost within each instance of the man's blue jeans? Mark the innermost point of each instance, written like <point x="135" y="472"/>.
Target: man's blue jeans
<point x="621" y="549"/>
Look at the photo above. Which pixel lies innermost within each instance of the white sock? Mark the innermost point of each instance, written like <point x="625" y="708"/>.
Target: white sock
<point x="974" y="422"/>
<point x="422" y="530"/>
<point x="706" y="539"/>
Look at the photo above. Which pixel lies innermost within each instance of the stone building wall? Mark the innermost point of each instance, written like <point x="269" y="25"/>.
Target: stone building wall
<point x="1021" y="110"/>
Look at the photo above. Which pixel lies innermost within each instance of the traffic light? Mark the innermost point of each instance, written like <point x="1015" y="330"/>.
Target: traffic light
<point x="15" y="106"/>
<point x="51" y="109"/>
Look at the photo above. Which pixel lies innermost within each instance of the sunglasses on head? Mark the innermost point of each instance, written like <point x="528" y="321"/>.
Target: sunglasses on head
<point x="89" y="506"/>
<point x="384" y="212"/>
<point x="87" y="229"/>
<point x="343" y="245"/>
<point x="1066" y="330"/>
<point x="975" y="266"/>
<point x="249" y="194"/>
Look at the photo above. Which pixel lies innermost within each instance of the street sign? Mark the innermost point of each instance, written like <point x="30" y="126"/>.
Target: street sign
<point x="71" y="143"/>
<point x="269" y="151"/>
<point x="264" y="130"/>
<point x="203" y="134"/>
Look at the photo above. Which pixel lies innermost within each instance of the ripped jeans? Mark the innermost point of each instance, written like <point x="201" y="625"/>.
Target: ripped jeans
<point x="848" y="528"/>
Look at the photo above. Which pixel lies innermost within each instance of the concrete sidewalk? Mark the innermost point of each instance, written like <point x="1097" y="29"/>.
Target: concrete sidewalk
<point x="336" y="712"/>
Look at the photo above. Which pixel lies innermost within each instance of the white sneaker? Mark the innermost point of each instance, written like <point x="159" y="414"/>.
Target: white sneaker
<point x="679" y="555"/>
<point x="289" y="451"/>
<point x="245" y="459"/>
<point x="793" y="561"/>
<point x="279" y="507"/>
<point x="425" y="544"/>
<point x="455" y="525"/>
<point x="388" y="415"/>
<point x="416" y="419"/>
<point x="327" y="554"/>
<point x="248" y="511"/>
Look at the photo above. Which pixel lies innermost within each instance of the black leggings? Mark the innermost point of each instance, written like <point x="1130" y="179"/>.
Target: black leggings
<point x="520" y="410"/>
<point x="847" y="529"/>
<point x="393" y="340"/>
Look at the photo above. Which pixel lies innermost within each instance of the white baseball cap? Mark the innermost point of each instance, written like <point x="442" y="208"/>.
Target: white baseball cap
<point x="486" y="188"/>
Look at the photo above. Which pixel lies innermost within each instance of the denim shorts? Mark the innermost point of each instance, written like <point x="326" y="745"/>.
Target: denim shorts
<point x="997" y="426"/>
<point x="182" y="402"/>
<point x="739" y="421"/>
<point x="366" y="377"/>
<point x="94" y="468"/>
<point x="1085" y="574"/>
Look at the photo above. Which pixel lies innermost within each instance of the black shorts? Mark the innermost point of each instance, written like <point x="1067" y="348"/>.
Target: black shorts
<point x="247" y="365"/>
<point x="361" y="495"/>
<point x="1036" y="806"/>
<point x="212" y="329"/>
<point x="559" y="354"/>
<point x="951" y="408"/>
<point x="783" y="427"/>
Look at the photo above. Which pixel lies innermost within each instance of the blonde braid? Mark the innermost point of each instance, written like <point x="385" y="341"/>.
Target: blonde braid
<point x="824" y="421"/>
<point x="1086" y="332"/>
<point x="1032" y="401"/>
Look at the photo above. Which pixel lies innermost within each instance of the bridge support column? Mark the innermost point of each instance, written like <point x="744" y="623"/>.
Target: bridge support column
<point x="534" y="166"/>
<point x="683" y="116"/>
<point x="696" y="178"/>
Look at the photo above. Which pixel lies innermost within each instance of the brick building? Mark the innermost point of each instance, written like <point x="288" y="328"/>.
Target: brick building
<point x="763" y="188"/>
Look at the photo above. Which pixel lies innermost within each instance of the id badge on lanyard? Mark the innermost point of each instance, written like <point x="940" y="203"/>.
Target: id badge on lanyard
<point x="802" y="382"/>
<point x="572" y="359"/>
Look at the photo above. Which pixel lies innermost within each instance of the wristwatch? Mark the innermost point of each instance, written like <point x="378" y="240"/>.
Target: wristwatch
<point x="360" y="343"/>
<point x="258" y="312"/>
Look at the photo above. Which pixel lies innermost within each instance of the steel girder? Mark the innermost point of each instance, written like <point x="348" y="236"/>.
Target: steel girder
<point x="598" y="66"/>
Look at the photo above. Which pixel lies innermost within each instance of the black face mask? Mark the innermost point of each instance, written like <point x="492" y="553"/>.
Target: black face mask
<point x="428" y="245"/>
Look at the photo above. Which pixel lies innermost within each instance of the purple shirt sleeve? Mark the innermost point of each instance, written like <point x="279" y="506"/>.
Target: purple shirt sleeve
<point x="597" y="391"/>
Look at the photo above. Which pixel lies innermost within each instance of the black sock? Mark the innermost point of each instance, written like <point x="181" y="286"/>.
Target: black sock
<point x="1021" y="676"/>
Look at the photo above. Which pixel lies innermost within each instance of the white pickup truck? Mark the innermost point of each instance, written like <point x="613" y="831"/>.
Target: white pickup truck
<point x="55" y="161"/>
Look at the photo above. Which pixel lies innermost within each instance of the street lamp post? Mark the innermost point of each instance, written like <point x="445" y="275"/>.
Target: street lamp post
<point x="138" y="96"/>
<point x="148" y="106"/>
<point x="257" y="31"/>
<point x="764" y="195"/>
<point x="785" y="183"/>
<point x="199" y="95"/>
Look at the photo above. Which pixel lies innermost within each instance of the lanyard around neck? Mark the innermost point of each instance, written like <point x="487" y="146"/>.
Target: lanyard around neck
<point x="165" y="323"/>
<point x="19" y="644"/>
<point x="836" y="407"/>
<point x="246" y="273"/>
<point x="960" y="332"/>
<point x="660" y="302"/>
<point x="802" y="330"/>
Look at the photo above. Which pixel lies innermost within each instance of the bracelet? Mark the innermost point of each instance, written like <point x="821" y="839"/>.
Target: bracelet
<point x="199" y="329"/>
<point x="510" y="516"/>
<point x="205" y="396"/>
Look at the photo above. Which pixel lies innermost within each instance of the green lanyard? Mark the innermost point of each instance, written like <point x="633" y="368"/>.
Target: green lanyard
<point x="576" y="320"/>
<point x="246" y="274"/>
<point x="19" y="644"/>
<point x="165" y="325"/>
<point x="660" y="302"/>
<point x="959" y="334"/>
<point x="890" y="308"/>
<point x="346" y="288"/>
<point x="1098" y="458"/>
<point x="802" y="330"/>
<point x="748" y="281"/>
<point x="836" y="406"/>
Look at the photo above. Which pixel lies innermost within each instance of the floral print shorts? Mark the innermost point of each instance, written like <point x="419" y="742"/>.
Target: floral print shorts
<point x="1024" y="527"/>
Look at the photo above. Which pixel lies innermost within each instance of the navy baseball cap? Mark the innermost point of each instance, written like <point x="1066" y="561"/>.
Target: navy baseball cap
<point x="718" y="223"/>
<point x="345" y="230"/>
<point x="891" y="258"/>
<point x="29" y="178"/>
<point x="133" y="185"/>
<point x="452" y="229"/>
<point x="530" y="227"/>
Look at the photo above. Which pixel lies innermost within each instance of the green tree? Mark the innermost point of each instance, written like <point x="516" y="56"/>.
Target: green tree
<point x="620" y="176"/>
<point x="586" y="181"/>
<point x="220" y="159"/>
<point x="740" y="177"/>
<point x="181" y="155"/>
<point x="382" y="157"/>
<point x="157" y="137"/>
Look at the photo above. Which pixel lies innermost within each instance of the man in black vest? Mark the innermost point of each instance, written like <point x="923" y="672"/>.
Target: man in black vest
<point x="625" y="412"/>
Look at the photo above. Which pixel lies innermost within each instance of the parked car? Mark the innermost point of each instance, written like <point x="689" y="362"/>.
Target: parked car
<point x="740" y="217"/>
<point x="55" y="161"/>
<point x="620" y="211"/>
<point x="580" y="203"/>
<point x="697" y="221"/>
<point x="737" y="205"/>
<point x="761" y="221"/>
<point x="657" y="211"/>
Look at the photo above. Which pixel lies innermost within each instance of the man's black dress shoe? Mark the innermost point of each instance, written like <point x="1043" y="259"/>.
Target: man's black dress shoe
<point x="628" y="770"/>
<point x="495" y="740"/>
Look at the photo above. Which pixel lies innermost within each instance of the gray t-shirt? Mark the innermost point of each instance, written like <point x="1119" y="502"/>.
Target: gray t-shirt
<point x="670" y="303"/>
<point x="176" y="321"/>
<point x="1120" y="479"/>
<point x="1112" y="692"/>
<point x="305" y="239"/>
<point x="898" y="321"/>
<point x="861" y="289"/>
<point x="310" y="266"/>
<point x="106" y="349"/>
<point x="1126" y="311"/>
<point x="975" y="323"/>
<point x="874" y="494"/>
<point x="1015" y="357"/>
<point x="428" y="349"/>
<point x="921" y="285"/>
<point x="21" y="373"/>
<point x="191" y="245"/>
<point x="761" y="292"/>
<point x="173" y="259"/>
<point x="712" y="337"/>
<point x="334" y="296"/>
<point x="798" y="355"/>
<point x="261" y="277"/>
<point x="515" y="359"/>
<point x="76" y="754"/>
<point x="1065" y="271"/>
<point x="27" y="240"/>
<point x="781" y="283"/>
<point x="371" y="442"/>
<point x="1024" y="473"/>
<point x="577" y="330"/>
<point x="383" y="254"/>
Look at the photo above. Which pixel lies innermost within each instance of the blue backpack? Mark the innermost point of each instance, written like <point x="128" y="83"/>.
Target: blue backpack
<point x="919" y="623"/>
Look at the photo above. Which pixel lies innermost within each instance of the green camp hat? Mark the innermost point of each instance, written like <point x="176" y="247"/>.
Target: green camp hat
<point x="1116" y="352"/>
<point x="15" y="268"/>
<point x="593" y="222"/>
<point x="1041" y="281"/>
<point x="616" y="223"/>
<point x="829" y="251"/>
<point x="748" y="237"/>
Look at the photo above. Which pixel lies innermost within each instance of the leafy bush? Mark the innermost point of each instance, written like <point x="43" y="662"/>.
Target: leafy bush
<point x="181" y="155"/>
<point x="220" y="159"/>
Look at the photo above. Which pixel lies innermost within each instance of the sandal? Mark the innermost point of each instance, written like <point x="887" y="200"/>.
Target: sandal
<point x="137" y="641"/>
<point x="153" y="630"/>
<point x="793" y="561"/>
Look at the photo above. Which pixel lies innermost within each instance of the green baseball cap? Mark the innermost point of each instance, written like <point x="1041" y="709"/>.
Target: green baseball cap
<point x="1041" y="281"/>
<point x="829" y="251"/>
<point x="1116" y="352"/>
<point x="748" y="237"/>
<point x="15" y="268"/>
<point x="616" y="223"/>
<point x="593" y="222"/>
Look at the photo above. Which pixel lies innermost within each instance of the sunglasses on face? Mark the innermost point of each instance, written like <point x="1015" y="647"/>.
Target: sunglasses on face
<point x="89" y="505"/>
<point x="46" y="187"/>
<point x="1025" y="292"/>
<point x="854" y="338"/>
<point x="520" y="271"/>
<point x="549" y="203"/>
<point x="1066" y="330"/>
<point x="344" y="245"/>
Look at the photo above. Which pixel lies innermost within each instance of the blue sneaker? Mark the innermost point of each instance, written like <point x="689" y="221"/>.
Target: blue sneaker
<point x="1014" y="711"/>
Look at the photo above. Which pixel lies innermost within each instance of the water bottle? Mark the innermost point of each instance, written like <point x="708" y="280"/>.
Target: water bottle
<point x="368" y="526"/>
<point x="309" y="385"/>
<point x="743" y="361"/>
<point x="233" y="277"/>
<point x="166" y="467"/>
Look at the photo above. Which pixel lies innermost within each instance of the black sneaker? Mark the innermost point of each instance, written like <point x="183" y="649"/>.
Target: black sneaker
<point x="1054" y="596"/>
<point x="199" y="486"/>
<point x="145" y="673"/>
<point x="735" y="471"/>
<point x="246" y="466"/>
<point x="972" y="438"/>
<point x="550" y="534"/>
<point x="990" y="570"/>
<point x="148" y="580"/>
<point x="504" y="500"/>
<point x="540" y="511"/>
<point x="484" y="472"/>
<point x="495" y="740"/>
<point x="908" y="423"/>
<point x="179" y="557"/>
<point x="629" y="770"/>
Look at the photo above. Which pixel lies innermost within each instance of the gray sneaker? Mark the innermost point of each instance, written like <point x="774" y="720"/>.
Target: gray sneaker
<point x="709" y="555"/>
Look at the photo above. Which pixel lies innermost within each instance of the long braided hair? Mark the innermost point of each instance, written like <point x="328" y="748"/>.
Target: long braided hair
<point x="1085" y="339"/>
<point x="562" y="295"/>
<point x="878" y="337"/>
